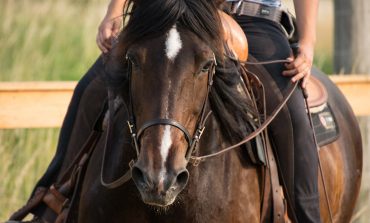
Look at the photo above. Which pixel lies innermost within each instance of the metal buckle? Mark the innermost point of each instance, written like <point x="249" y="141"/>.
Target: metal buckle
<point x="196" y="161"/>
<point x="131" y="127"/>
<point x="131" y="164"/>
<point x="200" y="132"/>
<point x="235" y="7"/>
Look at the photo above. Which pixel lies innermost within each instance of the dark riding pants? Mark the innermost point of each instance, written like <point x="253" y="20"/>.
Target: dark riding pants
<point x="268" y="42"/>
<point x="90" y="88"/>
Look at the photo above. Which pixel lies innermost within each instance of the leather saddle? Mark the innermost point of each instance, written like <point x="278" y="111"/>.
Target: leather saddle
<point x="238" y="44"/>
<point x="317" y="94"/>
<point x="234" y="37"/>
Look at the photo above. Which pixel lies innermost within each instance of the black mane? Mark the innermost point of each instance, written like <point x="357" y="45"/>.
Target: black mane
<point x="146" y="19"/>
<point x="233" y="110"/>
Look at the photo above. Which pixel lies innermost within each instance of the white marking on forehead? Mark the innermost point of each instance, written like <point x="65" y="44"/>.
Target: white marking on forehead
<point x="173" y="43"/>
<point x="164" y="149"/>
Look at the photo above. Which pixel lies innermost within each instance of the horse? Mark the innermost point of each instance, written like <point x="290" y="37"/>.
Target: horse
<point x="173" y="67"/>
<point x="162" y="80"/>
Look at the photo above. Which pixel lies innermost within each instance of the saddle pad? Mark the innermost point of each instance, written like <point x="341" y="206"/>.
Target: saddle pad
<point x="325" y="125"/>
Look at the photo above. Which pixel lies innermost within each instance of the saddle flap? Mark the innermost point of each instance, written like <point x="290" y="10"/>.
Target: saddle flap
<point x="317" y="94"/>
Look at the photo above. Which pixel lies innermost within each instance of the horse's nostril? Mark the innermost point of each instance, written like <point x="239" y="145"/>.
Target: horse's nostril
<point x="182" y="178"/>
<point x="138" y="176"/>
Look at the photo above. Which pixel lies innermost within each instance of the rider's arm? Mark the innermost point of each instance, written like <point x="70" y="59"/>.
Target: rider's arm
<point x="300" y="67"/>
<point x="110" y="25"/>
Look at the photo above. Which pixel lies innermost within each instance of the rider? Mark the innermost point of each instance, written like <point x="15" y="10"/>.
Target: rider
<point x="260" y="21"/>
<point x="266" y="42"/>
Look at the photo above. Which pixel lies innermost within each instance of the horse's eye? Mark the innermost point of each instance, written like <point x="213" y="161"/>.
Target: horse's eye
<point x="207" y="67"/>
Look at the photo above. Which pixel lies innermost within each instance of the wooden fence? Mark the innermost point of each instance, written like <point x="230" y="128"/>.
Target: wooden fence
<point x="43" y="104"/>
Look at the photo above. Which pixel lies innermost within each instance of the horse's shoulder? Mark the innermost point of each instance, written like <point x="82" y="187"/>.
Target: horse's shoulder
<point x="234" y="37"/>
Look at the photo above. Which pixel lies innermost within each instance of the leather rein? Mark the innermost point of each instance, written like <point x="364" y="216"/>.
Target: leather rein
<point x="192" y="141"/>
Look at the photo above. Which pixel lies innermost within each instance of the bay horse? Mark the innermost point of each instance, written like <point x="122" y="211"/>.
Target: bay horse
<point x="171" y="46"/>
<point x="160" y="76"/>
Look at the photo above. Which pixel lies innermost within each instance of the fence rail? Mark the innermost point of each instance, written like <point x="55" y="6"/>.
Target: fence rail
<point x="43" y="104"/>
<point x="34" y="104"/>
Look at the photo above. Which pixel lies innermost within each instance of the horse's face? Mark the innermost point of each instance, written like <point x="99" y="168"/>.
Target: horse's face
<point x="168" y="81"/>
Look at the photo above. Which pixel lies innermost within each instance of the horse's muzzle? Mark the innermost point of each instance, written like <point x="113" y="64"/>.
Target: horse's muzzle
<point x="161" y="190"/>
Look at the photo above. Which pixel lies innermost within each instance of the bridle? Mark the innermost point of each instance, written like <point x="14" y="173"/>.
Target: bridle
<point x="136" y="133"/>
<point x="194" y="140"/>
<point x="191" y="140"/>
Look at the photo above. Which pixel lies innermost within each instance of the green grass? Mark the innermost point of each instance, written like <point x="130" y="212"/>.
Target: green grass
<point x="24" y="155"/>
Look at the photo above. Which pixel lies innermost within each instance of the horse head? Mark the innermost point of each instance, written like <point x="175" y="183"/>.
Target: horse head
<point x="169" y="86"/>
<point x="171" y="48"/>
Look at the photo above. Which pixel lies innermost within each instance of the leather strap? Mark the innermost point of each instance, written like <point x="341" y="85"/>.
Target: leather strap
<point x="254" y="134"/>
<point x="55" y="200"/>
<point x="276" y="189"/>
<point x="31" y="204"/>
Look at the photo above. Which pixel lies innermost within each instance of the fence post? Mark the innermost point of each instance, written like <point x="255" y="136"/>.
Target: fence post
<point x="352" y="39"/>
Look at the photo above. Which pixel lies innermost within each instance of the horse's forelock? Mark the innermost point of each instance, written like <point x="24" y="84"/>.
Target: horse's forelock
<point x="151" y="18"/>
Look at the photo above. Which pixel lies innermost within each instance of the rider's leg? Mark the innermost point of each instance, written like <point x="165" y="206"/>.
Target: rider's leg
<point x="85" y="105"/>
<point x="267" y="42"/>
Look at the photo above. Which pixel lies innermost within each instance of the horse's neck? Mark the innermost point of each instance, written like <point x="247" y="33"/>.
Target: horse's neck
<point x="223" y="180"/>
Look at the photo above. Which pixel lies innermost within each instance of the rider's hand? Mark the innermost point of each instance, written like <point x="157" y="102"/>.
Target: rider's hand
<point x="108" y="30"/>
<point x="300" y="67"/>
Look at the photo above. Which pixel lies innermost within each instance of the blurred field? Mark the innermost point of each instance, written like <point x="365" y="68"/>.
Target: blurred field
<point x="47" y="40"/>
<point x="55" y="40"/>
<point x="40" y="40"/>
<point x="325" y="29"/>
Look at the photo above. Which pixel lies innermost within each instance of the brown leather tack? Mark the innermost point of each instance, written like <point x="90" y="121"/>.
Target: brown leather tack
<point x="317" y="94"/>
<point x="54" y="200"/>
<point x="277" y="195"/>
<point x="234" y="37"/>
<point x="32" y="203"/>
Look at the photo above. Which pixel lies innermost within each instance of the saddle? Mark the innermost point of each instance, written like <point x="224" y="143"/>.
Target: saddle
<point x="317" y="94"/>
<point x="234" y="37"/>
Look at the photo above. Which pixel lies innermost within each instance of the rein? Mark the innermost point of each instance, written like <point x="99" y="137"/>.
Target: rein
<point x="192" y="141"/>
<point x="197" y="160"/>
